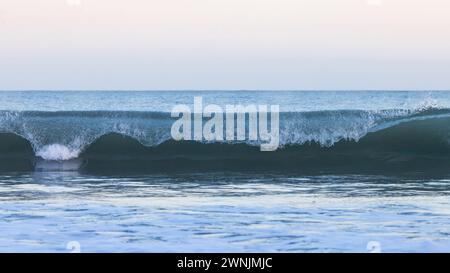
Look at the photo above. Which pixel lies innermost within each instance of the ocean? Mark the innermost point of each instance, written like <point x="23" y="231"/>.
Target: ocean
<point x="98" y="171"/>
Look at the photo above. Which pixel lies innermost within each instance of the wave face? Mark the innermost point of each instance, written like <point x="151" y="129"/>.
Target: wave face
<point x="307" y="139"/>
<point x="64" y="135"/>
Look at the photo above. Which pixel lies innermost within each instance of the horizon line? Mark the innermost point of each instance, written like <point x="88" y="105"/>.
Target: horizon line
<point x="224" y="90"/>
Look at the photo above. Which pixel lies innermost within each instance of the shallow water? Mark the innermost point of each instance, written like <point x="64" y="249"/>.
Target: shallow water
<point x="256" y="212"/>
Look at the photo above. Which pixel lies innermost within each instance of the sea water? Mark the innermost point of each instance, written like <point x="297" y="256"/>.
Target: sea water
<point x="402" y="205"/>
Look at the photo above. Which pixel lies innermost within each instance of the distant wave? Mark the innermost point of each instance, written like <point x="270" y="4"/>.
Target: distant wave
<point x="309" y="140"/>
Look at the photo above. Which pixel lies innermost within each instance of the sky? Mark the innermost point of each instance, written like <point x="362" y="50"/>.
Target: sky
<point x="224" y="44"/>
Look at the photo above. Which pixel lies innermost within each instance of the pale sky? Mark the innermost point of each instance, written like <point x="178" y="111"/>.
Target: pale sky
<point x="224" y="44"/>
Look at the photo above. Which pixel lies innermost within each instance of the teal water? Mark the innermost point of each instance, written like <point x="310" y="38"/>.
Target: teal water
<point x="164" y="101"/>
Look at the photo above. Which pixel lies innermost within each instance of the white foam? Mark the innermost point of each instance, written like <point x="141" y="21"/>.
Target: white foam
<point x="57" y="152"/>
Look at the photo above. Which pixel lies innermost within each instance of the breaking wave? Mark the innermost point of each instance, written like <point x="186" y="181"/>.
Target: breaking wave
<point x="319" y="138"/>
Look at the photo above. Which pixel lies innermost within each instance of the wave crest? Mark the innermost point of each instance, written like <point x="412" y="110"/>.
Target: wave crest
<point x="57" y="152"/>
<point x="65" y="135"/>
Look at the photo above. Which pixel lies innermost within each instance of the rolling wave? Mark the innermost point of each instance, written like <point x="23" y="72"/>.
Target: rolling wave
<point x="321" y="140"/>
